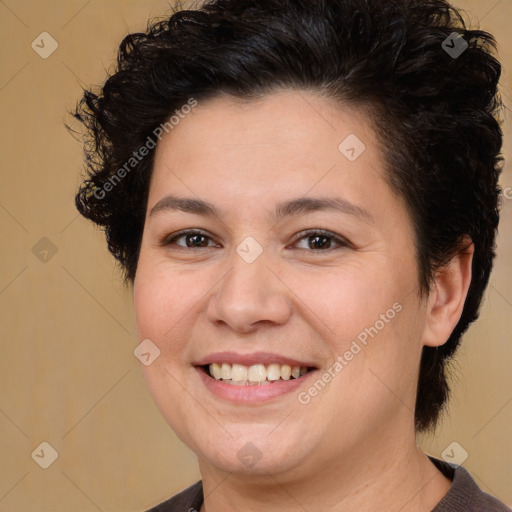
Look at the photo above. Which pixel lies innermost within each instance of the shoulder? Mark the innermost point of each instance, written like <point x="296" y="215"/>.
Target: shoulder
<point x="189" y="500"/>
<point x="464" y="494"/>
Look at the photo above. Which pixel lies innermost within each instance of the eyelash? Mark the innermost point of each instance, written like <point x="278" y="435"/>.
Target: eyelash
<point x="342" y="242"/>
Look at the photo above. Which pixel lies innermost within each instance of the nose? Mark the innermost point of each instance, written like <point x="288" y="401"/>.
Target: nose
<point x="249" y="296"/>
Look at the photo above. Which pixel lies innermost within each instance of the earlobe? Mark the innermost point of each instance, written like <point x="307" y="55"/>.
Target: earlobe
<point x="447" y="296"/>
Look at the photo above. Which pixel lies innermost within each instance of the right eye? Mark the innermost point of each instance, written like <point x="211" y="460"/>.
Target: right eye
<point x="193" y="239"/>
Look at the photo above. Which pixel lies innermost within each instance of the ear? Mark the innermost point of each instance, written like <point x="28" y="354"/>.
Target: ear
<point x="447" y="296"/>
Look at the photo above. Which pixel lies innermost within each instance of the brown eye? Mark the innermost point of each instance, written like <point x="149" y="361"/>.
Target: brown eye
<point x="321" y="241"/>
<point x="192" y="240"/>
<point x="196" y="240"/>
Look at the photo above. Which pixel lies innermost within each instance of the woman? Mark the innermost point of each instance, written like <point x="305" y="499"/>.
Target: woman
<point x="304" y="196"/>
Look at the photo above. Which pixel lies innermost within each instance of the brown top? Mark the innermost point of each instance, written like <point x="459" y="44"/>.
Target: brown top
<point x="464" y="495"/>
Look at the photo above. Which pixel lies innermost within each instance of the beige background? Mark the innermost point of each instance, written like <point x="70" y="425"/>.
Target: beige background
<point x="68" y="374"/>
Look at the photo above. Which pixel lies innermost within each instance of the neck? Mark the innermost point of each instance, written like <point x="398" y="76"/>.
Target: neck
<point x="383" y="476"/>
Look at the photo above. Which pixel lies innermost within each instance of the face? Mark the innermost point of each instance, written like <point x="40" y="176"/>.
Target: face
<point x="269" y="249"/>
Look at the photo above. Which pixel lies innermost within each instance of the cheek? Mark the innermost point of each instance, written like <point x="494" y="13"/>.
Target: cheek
<point x="350" y="300"/>
<point x="373" y="319"/>
<point x="161" y="315"/>
<point x="161" y="305"/>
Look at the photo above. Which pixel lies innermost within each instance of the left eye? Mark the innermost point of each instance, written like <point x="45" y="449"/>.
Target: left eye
<point x="321" y="240"/>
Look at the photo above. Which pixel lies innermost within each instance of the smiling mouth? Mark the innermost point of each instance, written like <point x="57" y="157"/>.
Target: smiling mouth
<point x="254" y="375"/>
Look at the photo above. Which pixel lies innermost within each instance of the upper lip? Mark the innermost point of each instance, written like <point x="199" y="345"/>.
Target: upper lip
<point x="264" y="358"/>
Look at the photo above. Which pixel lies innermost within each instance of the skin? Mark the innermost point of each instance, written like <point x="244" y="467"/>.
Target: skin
<point x="353" y="446"/>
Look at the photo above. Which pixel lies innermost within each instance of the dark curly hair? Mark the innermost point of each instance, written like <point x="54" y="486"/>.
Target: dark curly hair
<point x="428" y="83"/>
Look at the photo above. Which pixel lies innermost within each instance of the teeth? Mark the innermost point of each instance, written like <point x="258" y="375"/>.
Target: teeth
<point x="216" y="371"/>
<point x="286" y="372"/>
<point x="257" y="373"/>
<point x="273" y="371"/>
<point x="225" y="371"/>
<point x="238" y="372"/>
<point x="240" y="375"/>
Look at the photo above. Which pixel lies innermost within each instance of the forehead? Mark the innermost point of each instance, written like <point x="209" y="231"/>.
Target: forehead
<point x="291" y="135"/>
<point x="247" y="157"/>
<point x="281" y="117"/>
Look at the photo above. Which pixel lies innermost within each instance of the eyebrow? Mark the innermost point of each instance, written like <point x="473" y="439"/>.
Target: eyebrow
<point x="302" y="205"/>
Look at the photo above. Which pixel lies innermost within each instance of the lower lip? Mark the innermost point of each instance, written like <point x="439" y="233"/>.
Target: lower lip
<point x="251" y="393"/>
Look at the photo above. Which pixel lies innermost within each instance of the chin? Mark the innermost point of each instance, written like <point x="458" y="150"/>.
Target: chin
<point x="255" y="454"/>
<point x="253" y="462"/>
